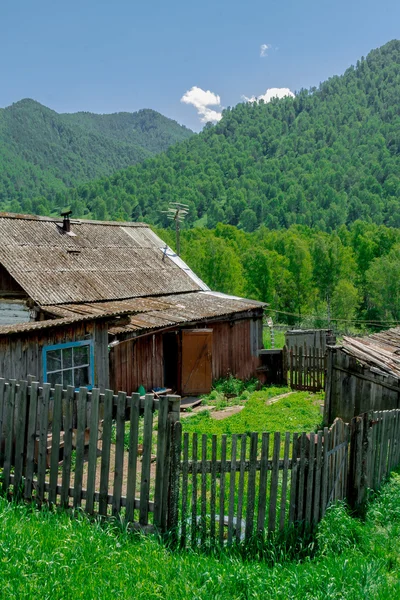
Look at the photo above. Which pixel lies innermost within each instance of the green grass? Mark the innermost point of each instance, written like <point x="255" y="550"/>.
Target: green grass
<point x="51" y="556"/>
<point x="279" y="338"/>
<point x="297" y="412"/>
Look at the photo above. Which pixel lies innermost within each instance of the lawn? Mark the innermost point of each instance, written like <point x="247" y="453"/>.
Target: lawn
<point x="299" y="411"/>
<point x="51" y="556"/>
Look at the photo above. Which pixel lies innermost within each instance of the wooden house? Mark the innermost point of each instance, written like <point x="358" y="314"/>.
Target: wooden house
<point x="363" y="374"/>
<point x="109" y="304"/>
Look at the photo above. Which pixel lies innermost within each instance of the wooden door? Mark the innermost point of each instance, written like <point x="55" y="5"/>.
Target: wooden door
<point x="196" y="361"/>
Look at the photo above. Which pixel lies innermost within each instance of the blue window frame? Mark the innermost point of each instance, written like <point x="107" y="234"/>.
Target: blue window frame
<point x="69" y="364"/>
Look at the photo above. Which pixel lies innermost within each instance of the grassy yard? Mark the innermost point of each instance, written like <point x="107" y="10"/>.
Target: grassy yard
<point x="298" y="411"/>
<point x="51" y="556"/>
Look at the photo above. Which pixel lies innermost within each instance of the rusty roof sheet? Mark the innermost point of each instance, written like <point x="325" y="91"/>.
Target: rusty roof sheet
<point x="187" y="308"/>
<point x="380" y="350"/>
<point x="103" y="261"/>
<point x="145" y="314"/>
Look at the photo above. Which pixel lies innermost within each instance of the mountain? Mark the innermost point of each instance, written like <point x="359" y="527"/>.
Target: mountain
<point x="327" y="157"/>
<point x="43" y="152"/>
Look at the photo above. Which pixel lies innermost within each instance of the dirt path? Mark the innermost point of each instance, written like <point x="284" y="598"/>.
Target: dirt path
<point x="276" y="398"/>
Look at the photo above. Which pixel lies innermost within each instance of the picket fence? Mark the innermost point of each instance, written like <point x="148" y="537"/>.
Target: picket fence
<point x="305" y="367"/>
<point x="117" y="455"/>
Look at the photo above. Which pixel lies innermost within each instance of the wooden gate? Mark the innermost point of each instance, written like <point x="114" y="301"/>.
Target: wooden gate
<point x="196" y="361"/>
<point x="305" y="367"/>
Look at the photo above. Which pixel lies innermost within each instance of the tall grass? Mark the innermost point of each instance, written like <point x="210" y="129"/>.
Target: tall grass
<point x="52" y="556"/>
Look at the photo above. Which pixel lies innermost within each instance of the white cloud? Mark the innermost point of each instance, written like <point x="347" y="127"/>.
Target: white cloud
<point x="264" y="50"/>
<point x="269" y="94"/>
<point x="202" y="100"/>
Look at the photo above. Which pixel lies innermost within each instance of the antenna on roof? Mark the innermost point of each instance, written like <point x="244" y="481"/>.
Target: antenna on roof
<point x="177" y="212"/>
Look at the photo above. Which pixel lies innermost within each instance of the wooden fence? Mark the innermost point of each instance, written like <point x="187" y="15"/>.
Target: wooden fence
<point x="239" y="486"/>
<point x="305" y="367"/>
<point x="128" y="477"/>
<point x="122" y="459"/>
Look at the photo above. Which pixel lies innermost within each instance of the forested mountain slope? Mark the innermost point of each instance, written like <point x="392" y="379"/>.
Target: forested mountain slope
<point x="325" y="158"/>
<point x="42" y="152"/>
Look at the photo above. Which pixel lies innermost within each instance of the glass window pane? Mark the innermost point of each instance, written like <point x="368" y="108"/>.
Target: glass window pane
<point x="68" y="377"/>
<point x="53" y="360"/>
<point x="81" y="355"/>
<point x="54" y="378"/>
<point x="67" y="358"/>
<point x="81" y="377"/>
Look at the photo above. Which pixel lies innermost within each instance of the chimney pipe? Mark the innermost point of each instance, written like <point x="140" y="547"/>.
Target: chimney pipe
<point x="66" y="226"/>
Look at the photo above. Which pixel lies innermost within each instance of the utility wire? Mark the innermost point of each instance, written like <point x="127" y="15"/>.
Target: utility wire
<point x="377" y="322"/>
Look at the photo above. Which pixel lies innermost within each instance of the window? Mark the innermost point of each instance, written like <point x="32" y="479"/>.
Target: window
<point x="69" y="364"/>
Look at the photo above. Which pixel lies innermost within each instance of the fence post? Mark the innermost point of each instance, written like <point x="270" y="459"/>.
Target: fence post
<point x="358" y="465"/>
<point x="328" y="386"/>
<point x="172" y="468"/>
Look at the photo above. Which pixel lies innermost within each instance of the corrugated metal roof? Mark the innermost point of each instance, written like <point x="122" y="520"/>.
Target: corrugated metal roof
<point x="144" y="314"/>
<point x="103" y="261"/>
<point x="379" y="350"/>
<point x="187" y="308"/>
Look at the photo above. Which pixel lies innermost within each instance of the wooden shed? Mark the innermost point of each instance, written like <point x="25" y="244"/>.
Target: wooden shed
<point x="363" y="374"/>
<point x="108" y="304"/>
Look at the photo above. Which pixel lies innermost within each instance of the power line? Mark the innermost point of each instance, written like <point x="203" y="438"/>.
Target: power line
<point x="377" y="322"/>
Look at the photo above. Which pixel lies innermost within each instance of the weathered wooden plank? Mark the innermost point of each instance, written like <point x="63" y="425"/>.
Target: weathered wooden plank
<point x="2" y="415"/>
<point x="282" y="516"/>
<point x="310" y="480"/>
<point x="203" y="513"/>
<point x="241" y="487"/>
<point x="222" y="491"/>
<point x="194" y="492"/>
<point x="262" y="494"/>
<point x="92" y="456"/>
<point x="146" y="460"/>
<point x="44" y="417"/>
<point x="213" y="497"/>
<point x="251" y="487"/>
<point x="31" y="438"/>
<point x="80" y="445"/>
<point x="68" y="426"/>
<point x="160" y="462"/>
<point x="173" y="508"/>
<point x="21" y="398"/>
<point x="232" y="489"/>
<point x="119" y="453"/>
<point x="185" y="471"/>
<point x="317" y="482"/>
<point x="273" y="495"/>
<point x="392" y="429"/>
<point x="385" y="444"/>
<point x="55" y="443"/>
<point x="9" y="432"/>
<point x="132" y="457"/>
<point x="302" y="470"/>
<point x="105" y="452"/>
<point x="293" y="480"/>
<point x="325" y="473"/>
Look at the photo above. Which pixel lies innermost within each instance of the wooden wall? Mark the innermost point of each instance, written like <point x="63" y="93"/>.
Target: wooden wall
<point x="137" y="362"/>
<point x="353" y="389"/>
<point x="141" y="361"/>
<point x="21" y="354"/>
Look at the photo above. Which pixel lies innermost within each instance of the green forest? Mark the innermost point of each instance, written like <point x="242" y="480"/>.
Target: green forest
<point x="323" y="159"/>
<point x="304" y="274"/>
<point x="43" y="152"/>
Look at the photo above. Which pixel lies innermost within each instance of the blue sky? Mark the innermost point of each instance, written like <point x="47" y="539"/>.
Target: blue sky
<point x="122" y="56"/>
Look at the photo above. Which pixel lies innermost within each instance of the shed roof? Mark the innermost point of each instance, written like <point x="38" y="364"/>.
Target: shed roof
<point x="153" y="313"/>
<point x="379" y="350"/>
<point x="102" y="261"/>
<point x="144" y="314"/>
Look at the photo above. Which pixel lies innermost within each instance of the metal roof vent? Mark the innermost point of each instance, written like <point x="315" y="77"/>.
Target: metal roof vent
<point x="66" y="222"/>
